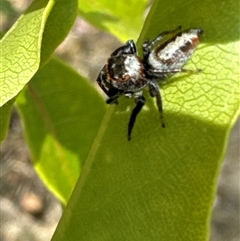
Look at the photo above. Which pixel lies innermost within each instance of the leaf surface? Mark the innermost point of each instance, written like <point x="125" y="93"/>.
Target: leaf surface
<point x="5" y="114"/>
<point x="61" y="114"/>
<point x="161" y="185"/>
<point x="31" y="40"/>
<point x="123" y="18"/>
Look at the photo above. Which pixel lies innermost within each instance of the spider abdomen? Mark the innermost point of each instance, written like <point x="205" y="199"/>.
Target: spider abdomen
<point x="173" y="54"/>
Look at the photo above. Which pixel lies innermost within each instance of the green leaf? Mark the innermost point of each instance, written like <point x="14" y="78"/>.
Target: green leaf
<point x="123" y="18"/>
<point x="32" y="39"/>
<point x="161" y="185"/>
<point x="61" y="114"/>
<point x="204" y="96"/>
<point x="5" y="113"/>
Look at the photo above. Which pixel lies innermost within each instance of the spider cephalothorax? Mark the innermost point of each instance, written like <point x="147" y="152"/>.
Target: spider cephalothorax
<point x="125" y="73"/>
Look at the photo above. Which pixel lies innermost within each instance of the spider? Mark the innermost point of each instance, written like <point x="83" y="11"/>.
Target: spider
<point x="125" y="73"/>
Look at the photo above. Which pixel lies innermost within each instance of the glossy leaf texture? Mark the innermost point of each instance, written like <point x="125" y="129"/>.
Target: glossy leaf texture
<point x="124" y="19"/>
<point x="62" y="114"/>
<point x="162" y="184"/>
<point x="31" y="41"/>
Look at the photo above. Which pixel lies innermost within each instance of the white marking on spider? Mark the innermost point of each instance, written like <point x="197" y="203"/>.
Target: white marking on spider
<point x="172" y="56"/>
<point x="132" y="65"/>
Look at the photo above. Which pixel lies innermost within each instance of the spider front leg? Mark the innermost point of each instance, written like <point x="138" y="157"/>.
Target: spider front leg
<point x="140" y="102"/>
<point x="148" y="45"/>
<point x="128" y="48"/>
<point x="113" y="95"/>
<point x="160" y="74"/>
<point x="155" y="92"/>
<point x="113" y="99"/>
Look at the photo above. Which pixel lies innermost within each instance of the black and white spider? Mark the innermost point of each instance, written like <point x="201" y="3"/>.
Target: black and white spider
<point x="125" y="73"/>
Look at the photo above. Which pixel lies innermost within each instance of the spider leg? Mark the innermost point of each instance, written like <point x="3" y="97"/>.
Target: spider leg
<point x="113" y="99"/>
<point x="190" y="71"/>
<point x="155" y="92"/>
<point x="140" y="101"/>
<point x="147" y="45"/>
<point x="113" y="95"/>
<point x="155" y="73"/>
<point x="128" y="48"/>
<point x="101" y="79"/>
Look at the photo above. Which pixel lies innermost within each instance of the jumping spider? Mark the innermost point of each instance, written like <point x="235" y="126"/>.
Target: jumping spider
<point x="125" y="73"/>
